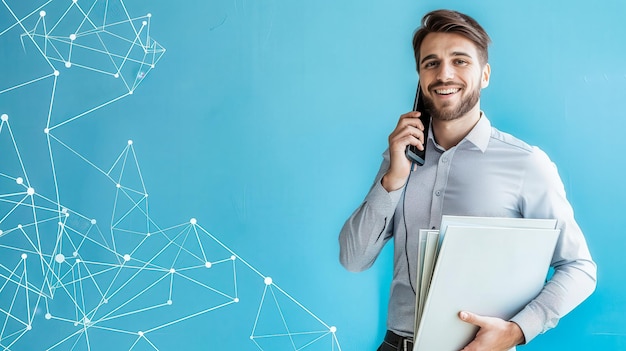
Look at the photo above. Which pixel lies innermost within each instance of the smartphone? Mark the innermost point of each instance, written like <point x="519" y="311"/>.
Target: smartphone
<point x="413" y="153"/>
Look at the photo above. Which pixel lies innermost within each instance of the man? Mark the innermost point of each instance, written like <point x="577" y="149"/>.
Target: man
<point x="470" y="169"/>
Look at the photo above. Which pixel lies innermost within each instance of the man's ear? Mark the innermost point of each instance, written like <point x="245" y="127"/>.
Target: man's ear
<point x="484" y="82"/>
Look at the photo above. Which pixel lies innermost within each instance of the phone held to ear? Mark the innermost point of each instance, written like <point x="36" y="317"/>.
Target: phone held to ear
<point x="413" y="153"/>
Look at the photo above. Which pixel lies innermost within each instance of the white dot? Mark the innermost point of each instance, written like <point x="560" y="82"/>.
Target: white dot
<point x="140" y="333"/>
<point x="93" y="221"/>
<point x="144" y="22"/>
<point x="127" y="257"/>
<point x="24" y="256"/>
<point x="268" y="281"/>
<point x="87" y="321"/>
<point x="19" y="226"/>
<point x="46" y="130"/>
<point x="74" y="253"/>
<point x="172" y="270"/>
<point x="74" y="1"/>
<point x="42" y="13"/>
<point x="48" y="316"/>
<point x="148" y="234"/>
<point x="130" y="142"/>
<point x="19" y="180"/>
<point x="130" y="92"/>
<point x="169" y="302"/>
<point x="30" y="191"/>
<point x="236" y="299"/>
<point x="149" y="15"/>
<point x="4" y="117"/>
<point x="60" y="224"/>
<point x="0" y="232"/>
<point x="118" y="185"/>
<point x="116" y="75"/>
<point x="29" y="327"/>
<point x="105" y="301"/>
<point x="68" y="64"/>
<point x="152" y="66"/>
<point x="72" y="37"/>
<point x="233" y="257"/>
<point x="78" y="260"/>
<point x="208" y="265"/>
<point x="67" y="214"/>
<point x="333" y="329"/>
<point x="64" y="210"/>
<point x="251" y="337"/>
<point x="193" y="221"/>
<point x="76" y="324"/>
<point x="56" y="73"/>
<point x="60" y="258"/>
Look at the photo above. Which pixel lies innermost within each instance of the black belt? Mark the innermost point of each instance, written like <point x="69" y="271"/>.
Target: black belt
<point x="401" y="342"/>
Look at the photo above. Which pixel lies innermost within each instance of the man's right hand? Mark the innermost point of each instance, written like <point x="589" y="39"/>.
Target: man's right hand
<point x="409" y="131"/>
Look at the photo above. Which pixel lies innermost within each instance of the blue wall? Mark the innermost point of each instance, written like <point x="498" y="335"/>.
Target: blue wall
<point x="264" y="122"/>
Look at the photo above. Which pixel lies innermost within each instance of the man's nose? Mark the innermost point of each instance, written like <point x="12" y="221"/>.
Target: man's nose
<point x="446" y="72"/>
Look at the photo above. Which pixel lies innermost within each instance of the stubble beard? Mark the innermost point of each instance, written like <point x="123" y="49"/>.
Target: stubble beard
<point x="449" y="112"/>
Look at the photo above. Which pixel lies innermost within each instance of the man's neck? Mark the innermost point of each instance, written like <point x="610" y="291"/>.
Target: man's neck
<point x="449" y="133"/>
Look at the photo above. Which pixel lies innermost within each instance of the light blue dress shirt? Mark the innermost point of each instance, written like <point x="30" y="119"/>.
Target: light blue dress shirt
<point x="489" y="174"/>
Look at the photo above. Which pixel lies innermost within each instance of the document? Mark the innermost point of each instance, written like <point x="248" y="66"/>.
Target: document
<point x="488" y="266"/>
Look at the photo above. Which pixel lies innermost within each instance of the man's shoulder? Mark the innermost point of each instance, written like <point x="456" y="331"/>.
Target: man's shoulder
<point x="503" y="139"/>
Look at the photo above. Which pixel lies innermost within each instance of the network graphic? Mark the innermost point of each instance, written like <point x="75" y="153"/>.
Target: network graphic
<point x="71" y="279"/>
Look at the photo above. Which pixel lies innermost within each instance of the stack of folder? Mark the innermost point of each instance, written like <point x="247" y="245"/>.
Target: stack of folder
<point x="484" y="265"/>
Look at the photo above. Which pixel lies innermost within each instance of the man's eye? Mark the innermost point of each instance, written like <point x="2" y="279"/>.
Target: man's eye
<point x="461" y="62"/>
<point x="430" y="64"/>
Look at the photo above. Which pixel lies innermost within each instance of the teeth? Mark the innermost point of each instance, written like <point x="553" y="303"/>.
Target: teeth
<point x="447" y="91"/>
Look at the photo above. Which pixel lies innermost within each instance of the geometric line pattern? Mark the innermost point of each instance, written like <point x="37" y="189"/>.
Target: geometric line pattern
<point x="69" y="281"/>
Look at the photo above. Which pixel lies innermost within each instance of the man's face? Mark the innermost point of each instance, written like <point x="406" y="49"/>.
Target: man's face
<point x="451" y="75"/>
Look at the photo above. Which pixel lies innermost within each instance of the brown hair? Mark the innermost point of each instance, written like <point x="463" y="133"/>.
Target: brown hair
<point x="448" y="21"/>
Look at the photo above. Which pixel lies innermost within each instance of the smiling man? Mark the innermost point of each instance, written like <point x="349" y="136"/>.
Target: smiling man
<point x="470" y="169"/>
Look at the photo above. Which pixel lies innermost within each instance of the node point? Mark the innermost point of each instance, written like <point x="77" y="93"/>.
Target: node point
<point x="105" y="301"/>
<point x="19" y="180"/>
<point x="93" y="221"/>
<point x="130" y="92"/>
<point x="233" y="257"/>
<point x="116" y="75"/>
<point x="19" y="226"/>
<point x="86" y="320"/>
<point x="268" y="281"/>
<point x="193" y="221"/>
<point x="74" y="1"/>
<point x="42" y="13"/>
<point x="172" y="270"/>
<point x="75" y="253"/>
<point x="4" y="117"/>
<point x="59" y="258"/>
<point x="149" y="15"/>
<point x="78" y="260"/>
<point x="60" y="224"/>
<point x="46" y="130"/>
<point x="251" y="337"/>
<point x="24" y="256"/>
<point x="169" y="302"/>
<point x="76" y="324"/>
<point x="64" y="210"/>
<point x="118" y="185"/>
<point x="68" y="64"/>
<point x="236" y="299"/>
<point x="67" y="214"/>
<point x="148" y="234"/>
<point x="56" y="73"/>
<point x="127" y="257"/>
<point x="48" y="316"/>
<point x="72" y="37"/>
<point x="152" y="66"/>
<point x="144" y="23"/>
<point x="0" y="232"/>
<point x="29" y="327"/>
<point x="140" y="333"/>
<point x="30" y="191"/>
<point x="130" y="142"/>
<point x="208" y="265"/>
<point x="333" y="329"/>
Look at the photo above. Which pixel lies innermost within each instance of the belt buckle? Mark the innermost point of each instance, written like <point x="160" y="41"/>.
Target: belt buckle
<point x="407" y="344"/>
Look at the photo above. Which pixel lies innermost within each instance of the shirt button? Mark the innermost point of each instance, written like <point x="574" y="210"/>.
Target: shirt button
<point x="438" y="192"/>
<point x="444" y="160"/>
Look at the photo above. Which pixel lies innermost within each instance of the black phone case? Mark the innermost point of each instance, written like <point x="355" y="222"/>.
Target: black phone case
<point x="413" y="153"/>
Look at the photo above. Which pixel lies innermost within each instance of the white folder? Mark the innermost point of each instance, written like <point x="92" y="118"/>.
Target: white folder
<point x="488" y="266"/>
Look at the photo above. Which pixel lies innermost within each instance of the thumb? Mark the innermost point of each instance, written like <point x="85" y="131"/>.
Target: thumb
<point x="471" y="318"/>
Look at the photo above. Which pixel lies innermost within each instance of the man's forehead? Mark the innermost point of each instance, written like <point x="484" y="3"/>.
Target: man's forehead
<point x="437" y="45"/>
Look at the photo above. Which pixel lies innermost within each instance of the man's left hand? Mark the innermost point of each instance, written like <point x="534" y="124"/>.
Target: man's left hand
<point x="495" y="334"/>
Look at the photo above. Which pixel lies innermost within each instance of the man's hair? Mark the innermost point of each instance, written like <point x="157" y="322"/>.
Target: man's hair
<point x="448" y="21"/>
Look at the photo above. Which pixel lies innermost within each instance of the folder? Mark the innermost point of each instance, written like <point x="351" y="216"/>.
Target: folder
<point x="488" y="266"/>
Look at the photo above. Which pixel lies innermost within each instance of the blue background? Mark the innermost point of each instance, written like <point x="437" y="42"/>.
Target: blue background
<point x="266" y="119"/>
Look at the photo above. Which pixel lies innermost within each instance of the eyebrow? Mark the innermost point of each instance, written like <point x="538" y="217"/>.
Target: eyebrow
<point x="456" y="53"/>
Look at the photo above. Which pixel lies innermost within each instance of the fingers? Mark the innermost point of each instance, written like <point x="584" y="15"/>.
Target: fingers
<point x="409" y="131"/>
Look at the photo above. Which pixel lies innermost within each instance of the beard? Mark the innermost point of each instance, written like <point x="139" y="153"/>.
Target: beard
<point x="449" y="112"/>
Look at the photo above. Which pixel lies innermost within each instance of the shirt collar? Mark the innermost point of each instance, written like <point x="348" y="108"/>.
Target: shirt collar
<point x="481" y="133"/>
